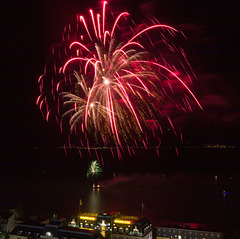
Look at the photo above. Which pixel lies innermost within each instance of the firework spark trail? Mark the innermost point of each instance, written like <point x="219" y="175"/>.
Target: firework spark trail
<point x="112" y="81"/>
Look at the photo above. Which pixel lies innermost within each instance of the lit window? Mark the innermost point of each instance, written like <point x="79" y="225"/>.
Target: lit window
<point x="73" y="223"/>
<point x="48" y="234"/>
<point x="135" y="230"/>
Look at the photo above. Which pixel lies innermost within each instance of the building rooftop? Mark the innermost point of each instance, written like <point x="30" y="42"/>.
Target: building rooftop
<point x="189" y="226"/>
<point x="36" y="230"/>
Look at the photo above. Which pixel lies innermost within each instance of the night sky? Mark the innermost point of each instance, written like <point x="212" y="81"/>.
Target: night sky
<point x="29" y="28"/>
<point x="32" y="168"/>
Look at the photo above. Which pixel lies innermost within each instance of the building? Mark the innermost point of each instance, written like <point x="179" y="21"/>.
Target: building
<point x="177" y="230"/>
<point x="110" y="225"/>
<point x="7" y="222"/>
<point x="138" y="229"/>
<point x="119" y="226"/>
<point x="55" y="229"/>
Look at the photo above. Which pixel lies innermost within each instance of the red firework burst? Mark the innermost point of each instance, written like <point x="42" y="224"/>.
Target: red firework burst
<point x="115" y="83"/>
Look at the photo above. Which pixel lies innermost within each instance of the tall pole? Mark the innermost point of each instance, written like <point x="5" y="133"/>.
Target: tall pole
<point x="80" y="206"/>
<point x="143" y="207"/>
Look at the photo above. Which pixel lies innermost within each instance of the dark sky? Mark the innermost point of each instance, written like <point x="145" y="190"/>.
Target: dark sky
<point x="29" y="27"/>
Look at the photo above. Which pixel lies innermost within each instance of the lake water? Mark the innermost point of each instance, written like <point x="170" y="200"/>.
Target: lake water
<point x="198" y="185"/>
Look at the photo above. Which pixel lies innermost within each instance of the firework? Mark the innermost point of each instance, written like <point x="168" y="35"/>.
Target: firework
<point x="115" y="82"/>
<point x="94" y="170"/>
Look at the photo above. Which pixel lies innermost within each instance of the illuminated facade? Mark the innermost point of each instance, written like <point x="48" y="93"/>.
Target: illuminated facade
<point x="7" y="222"/>
<point x="187" y="231"/>
<point x="55" y="229"/>
<point x="117" y="225"/>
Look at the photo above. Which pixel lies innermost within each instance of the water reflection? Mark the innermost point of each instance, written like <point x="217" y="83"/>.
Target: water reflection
<point x="94" y="200"/>
<point x="179" y="196"/>
<point x="197" y="197"/>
